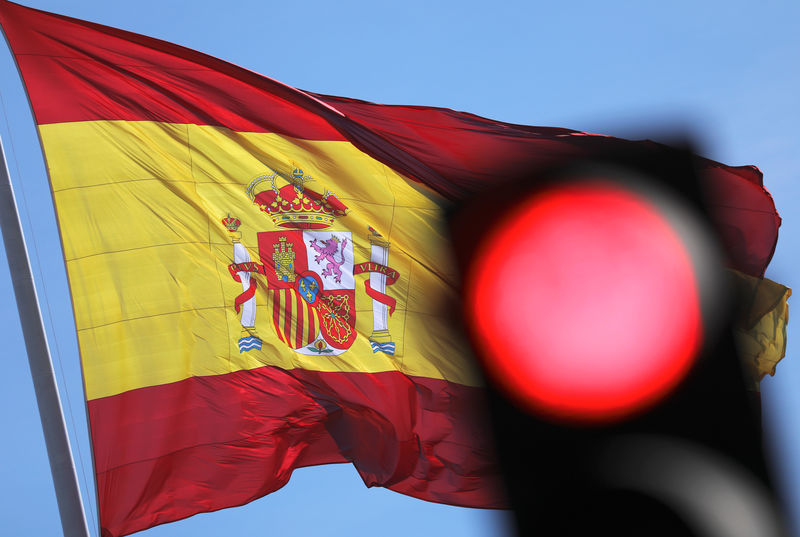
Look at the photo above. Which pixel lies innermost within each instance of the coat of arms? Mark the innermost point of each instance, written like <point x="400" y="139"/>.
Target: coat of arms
<point x="310" y="271"/>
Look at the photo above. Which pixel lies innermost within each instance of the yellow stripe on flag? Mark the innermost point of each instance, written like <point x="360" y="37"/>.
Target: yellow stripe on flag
<point x="140" y="207"/>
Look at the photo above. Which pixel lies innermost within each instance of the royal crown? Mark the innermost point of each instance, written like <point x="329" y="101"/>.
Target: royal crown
<point x="231" y="222"/>
<point x="293" y="205"/>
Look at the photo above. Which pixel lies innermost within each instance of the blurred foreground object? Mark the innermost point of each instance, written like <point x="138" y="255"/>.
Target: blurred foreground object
<point x="596" y="298"/>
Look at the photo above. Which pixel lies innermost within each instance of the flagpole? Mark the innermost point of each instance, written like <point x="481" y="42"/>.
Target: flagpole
<point x="62" y="466"/>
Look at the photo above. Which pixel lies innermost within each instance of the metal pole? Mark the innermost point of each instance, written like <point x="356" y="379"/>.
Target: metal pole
<point x="65" y="479"/>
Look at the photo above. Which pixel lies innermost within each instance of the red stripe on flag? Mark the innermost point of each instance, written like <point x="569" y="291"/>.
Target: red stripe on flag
<point x="76" y="70"/>
<point x="270" y="421"/>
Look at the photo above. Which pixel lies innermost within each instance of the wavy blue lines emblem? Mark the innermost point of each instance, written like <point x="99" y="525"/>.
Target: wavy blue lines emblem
<point x="387" y="348"/>
<point x="249" y="343"/>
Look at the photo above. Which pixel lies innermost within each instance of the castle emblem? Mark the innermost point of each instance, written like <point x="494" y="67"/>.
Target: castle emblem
<point x="283" y="260"/>
<point x="310" y="271"/>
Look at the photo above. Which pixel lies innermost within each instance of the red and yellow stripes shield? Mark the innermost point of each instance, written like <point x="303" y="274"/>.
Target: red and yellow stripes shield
<point x="294" y="319"/>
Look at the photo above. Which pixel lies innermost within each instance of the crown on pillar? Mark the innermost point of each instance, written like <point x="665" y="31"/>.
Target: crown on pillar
<point x="231" y="222"/>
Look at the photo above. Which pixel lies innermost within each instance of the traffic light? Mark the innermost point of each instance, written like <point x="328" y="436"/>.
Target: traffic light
<point x="596" y="300"/>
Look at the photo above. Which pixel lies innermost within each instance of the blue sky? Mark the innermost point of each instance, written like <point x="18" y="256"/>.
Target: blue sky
<point x="722" y="71"/>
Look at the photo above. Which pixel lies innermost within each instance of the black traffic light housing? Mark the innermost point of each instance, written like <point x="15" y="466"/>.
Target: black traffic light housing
<point x="645" y="474"/>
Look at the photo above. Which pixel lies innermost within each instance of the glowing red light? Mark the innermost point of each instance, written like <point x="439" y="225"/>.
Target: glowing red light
<point x="585" y="303"/>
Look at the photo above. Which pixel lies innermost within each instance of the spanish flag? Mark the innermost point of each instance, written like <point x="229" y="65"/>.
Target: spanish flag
<point x="261" y="276"/>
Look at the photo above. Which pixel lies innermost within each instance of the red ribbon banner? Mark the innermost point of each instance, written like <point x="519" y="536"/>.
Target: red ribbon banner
<point x="250" y="266"/>
<point x="391" y="277"/>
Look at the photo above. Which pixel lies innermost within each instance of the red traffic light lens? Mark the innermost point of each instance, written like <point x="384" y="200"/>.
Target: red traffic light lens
<point x="584" y="303"/>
